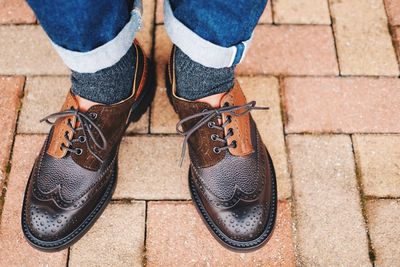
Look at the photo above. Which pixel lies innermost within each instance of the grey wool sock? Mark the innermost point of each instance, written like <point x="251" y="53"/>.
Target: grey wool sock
<point x="109" y="85"/>
<point x="195" y="81"/>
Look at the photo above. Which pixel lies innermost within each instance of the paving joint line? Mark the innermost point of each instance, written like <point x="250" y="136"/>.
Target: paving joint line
<point x="371" y="251"/>
<point x="333" y="23"/>
<point x="291" y="198"/>
<point x="10" y="156"/>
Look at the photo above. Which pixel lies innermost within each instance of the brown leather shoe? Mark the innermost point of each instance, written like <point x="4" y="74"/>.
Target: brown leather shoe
<point x="74" y="176"/>
<point x="231" y="176"/>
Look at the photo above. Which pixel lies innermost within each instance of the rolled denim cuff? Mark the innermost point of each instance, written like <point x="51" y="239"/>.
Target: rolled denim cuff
<point x="107" y="54"/>
<point x="199" y="49"/>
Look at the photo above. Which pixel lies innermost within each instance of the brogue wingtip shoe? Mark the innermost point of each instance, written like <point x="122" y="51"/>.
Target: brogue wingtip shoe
<point x="231" y="177"/>
<point x="75" y="174"/>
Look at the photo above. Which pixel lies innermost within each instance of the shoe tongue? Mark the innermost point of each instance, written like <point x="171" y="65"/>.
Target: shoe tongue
<point x="61" y="126"/>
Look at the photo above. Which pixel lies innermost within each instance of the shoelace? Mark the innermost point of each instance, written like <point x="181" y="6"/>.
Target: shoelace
<point x="207" y="116"/>
<point x="86" y="125"/>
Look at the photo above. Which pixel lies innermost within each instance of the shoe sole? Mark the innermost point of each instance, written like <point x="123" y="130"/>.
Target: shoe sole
<point x="138" y="109"/>
<point x="238" y="246"/>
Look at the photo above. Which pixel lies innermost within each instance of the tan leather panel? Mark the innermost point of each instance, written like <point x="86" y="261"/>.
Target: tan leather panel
<point x="240" y="125"/>
<point x="60" y="127"/>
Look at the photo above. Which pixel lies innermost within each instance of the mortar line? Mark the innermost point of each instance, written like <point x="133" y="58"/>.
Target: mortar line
<point x="293" y="202"/>
<point x="10" y="156"/>
<point x="371" y="251"/>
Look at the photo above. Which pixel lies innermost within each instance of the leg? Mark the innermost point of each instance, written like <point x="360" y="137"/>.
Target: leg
<point x="74" y="175"/>
<point x="231" y="178"/>
<point x="94" y="39"/>
<point x="212" y="37"/>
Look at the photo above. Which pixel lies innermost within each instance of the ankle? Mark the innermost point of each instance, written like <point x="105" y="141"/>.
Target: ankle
<point x="195" y="81"/>
<point x="85" y="104"/>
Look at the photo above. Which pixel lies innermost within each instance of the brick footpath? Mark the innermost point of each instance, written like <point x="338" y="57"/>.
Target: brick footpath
<point x="329" y="70"/>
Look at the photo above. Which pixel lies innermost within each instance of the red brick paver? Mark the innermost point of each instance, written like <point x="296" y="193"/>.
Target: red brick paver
<point x="176" y="236"/>
<point x="291" y="50"/>
<point x="301" y="12"/>
<point x="10" y="94"/>
<point x="117" y="238"/>
<point x="362" y="38"/>
<point x="328" y="58"/>
<point x="330" y="226"/>
<point x="342" y="105"/>
<point x="14" y="250"/>
<point x="396" y="39"/>
<point x="378" y="162"/>
<point x="384" y="227"/>
<point x="16" y="12"/>
<point x="393" y="11"/>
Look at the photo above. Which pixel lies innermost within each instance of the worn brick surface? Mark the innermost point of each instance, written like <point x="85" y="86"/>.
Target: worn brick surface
<point x="378" y="160"/>
<point x="44" y="96"/>
<point x="393" y="11"/>
<point x="384" y="228"/>
<point x="362" y="38"/>
<point x="14" y="250"/>
<point x="349" y="105"/>
<point x="291" y="50"/>
<point x="27" y="50"/>
<point x="149" y="169"/>
<point x="176" y="236"/>
<point x="10" y="94"/>
<point x="330" y="226"/>
<point x="163" y="117"/>
<point x="396" y="40"/>
<point x="266" y="16"/>
<point x="145" y="35"/>
<point x="15" y="11"/>
<point x="301" y="12"/>
<point x="117" y="238"/>
<point x="159" y="11"/>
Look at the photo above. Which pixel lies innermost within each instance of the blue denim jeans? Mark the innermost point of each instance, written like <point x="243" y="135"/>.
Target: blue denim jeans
<point x="91" y="35"/>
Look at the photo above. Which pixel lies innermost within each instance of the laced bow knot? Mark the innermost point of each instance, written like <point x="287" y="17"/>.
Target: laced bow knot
<point x="86" y="123"/>
<point x="207" y="116"/>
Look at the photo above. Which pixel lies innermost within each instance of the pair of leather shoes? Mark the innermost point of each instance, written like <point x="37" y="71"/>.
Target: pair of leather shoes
<point x="231" y="176"/>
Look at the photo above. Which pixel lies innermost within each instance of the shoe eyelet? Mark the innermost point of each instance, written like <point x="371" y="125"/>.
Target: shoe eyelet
<point x="226" y="104"/>
<point x="93" y="115"/>
<point x="78" y="151"/>
<point x="230" y="130"/>
<point x="82" y="138"/>
<point x="214" y="137"/>
<point x="229" y="118"/>
<point x="211" y="124"/>
<point x="216" y="150"/>
<point x="234" y="143"/>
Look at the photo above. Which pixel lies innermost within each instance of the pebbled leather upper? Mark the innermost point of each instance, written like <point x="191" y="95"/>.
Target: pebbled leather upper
<point x="235" y="185"/>
<point x="64" y="189"/>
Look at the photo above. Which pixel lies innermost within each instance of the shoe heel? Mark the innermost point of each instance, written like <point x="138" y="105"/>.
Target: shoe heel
<point x="146" y="97"/>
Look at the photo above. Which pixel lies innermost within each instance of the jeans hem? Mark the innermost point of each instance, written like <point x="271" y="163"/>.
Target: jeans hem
<point x="199" y="49"/>
<point x="107" y="54"/>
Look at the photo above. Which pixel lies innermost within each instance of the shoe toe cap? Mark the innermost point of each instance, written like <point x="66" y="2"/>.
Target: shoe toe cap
<point x="47" y="223"/>
<point x="244" y="222"/>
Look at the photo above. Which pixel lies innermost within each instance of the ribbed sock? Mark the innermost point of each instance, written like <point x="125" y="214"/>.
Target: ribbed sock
<point x="195" y="81"/>
<point x="109" y="85"/>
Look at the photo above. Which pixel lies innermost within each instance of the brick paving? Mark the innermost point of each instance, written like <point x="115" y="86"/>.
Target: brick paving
<point x="328" y="70"/>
